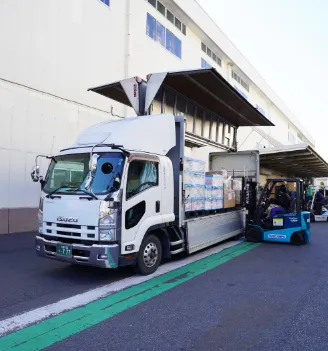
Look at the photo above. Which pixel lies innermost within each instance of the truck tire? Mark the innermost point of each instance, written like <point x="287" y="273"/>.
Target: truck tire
<point x="149" y="255"/>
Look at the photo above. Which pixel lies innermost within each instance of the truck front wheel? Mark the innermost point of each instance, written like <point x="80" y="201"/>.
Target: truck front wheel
<point x="149" y="255"/>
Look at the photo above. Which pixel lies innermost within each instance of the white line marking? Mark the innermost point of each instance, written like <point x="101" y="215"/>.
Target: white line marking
<point x="25" y="319"/>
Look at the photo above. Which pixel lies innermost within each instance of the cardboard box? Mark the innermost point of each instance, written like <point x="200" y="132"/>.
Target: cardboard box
<point x="229" y="200"/>
<point x="223" y="173"/>
<point x="229" y="196"/>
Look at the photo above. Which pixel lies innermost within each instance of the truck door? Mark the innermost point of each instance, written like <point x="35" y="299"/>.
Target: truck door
<point x="237" y="164"/>
<point x="141" y="206"/>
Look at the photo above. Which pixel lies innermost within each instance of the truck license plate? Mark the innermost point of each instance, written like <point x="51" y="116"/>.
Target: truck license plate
<point x="64" y="250"/>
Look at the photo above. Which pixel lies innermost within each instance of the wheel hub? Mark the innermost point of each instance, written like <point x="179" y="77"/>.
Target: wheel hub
<point x="150" y="254"/>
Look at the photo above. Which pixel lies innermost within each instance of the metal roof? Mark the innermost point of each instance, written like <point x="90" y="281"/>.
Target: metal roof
<point x="210" y="90"/>
<point x="300" y="160"/>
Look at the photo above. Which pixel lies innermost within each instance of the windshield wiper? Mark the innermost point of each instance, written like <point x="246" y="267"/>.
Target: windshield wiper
<point x="87" y="193"/>
<point x="60" y="188"/>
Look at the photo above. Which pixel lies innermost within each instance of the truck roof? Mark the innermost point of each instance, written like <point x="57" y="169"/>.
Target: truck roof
<point x="153" y="134"/>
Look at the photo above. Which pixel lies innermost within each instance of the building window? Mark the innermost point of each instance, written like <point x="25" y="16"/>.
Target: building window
<point x="211" y="54"/>
<point x="173" y="44"/>
<point x="204" y="64"/>
<point x="169" y="15"/>
<point x="166" y="38"/>
<point x="152" y="2"/>
<point x="178" y="24"/>
<point x="238" y="79"/>
<point x="161" y="8"/>
<point x="106" y="2"/>
<point x="184" y="29"/>
<point x="160" y="34"/>
<point x="151" y="26"/>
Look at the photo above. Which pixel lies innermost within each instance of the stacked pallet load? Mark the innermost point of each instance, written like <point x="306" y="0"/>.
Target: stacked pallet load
<point x="194" y="184"/>
<point x="214" y="191"/>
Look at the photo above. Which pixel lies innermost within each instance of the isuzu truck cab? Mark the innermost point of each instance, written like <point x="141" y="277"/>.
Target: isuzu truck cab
<point x="116" y="197"/>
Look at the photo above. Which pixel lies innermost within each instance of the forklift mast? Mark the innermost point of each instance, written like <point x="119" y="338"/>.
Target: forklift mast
<point x="250" y="198"/>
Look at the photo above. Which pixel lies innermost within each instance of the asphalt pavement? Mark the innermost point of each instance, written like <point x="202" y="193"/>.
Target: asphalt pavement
<point x="29" y="282"/>
<point x="273" y="297"/>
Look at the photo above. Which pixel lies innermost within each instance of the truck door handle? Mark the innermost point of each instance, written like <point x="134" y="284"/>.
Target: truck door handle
<point x="158" y="206"/>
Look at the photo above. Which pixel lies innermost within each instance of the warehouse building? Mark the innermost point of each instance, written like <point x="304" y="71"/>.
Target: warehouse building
<point x="53" y="51"/>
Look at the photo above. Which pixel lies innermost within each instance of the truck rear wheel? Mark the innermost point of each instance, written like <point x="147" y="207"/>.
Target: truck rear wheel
<point x="149" y="255"/>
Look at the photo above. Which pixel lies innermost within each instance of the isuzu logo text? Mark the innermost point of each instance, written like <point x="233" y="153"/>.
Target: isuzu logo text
<point x="67" y="219"/>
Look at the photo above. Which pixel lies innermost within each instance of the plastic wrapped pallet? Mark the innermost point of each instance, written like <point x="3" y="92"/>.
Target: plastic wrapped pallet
<point x="208" y="191"/>
<point x="188" y="204"/>
<point x="223" y="173"/>
<point x="214" y="179"/>
<point x="199" y="190"/>
<point x="208" y="204"/>
<point x="198" y="204"/>
<point x="194" y="165"/>
<point x="217" y="203"/>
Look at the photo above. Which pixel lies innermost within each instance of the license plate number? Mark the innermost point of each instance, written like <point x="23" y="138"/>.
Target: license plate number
<point x="64" y="250"/>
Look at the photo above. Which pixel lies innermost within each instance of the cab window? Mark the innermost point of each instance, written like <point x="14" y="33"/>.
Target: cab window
<point x="142" y="175"/>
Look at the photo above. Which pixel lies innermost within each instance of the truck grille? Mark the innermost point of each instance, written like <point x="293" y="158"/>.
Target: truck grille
<point x="63" y="230"/>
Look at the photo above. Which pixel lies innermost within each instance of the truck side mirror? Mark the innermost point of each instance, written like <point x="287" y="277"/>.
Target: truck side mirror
<point x="35" y="175"/>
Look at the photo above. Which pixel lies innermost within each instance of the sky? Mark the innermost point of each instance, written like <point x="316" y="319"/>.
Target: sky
<point x="287" y="42"/>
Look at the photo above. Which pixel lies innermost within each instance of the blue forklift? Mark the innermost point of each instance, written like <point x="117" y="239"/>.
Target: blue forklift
<point x="277" y="215"/>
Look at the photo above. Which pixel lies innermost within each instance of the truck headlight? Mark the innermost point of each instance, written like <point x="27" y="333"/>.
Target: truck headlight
<point x="107" y="222"/>
<point x="40" y="220"/>
<point x="107" y="234"/>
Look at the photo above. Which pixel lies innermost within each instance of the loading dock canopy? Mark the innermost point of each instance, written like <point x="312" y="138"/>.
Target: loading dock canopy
<point x="300" y="160"/>
<point x="209" y="89"/>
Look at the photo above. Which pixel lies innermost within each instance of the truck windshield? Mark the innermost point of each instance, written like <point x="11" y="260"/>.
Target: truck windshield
<point x="68" y="173"/>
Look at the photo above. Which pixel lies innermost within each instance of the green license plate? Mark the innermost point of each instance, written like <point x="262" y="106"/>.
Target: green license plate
<point x="64" y="250"/>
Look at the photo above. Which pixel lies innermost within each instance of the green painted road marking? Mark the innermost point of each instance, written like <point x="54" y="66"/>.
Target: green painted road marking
<point x="58" y="328"/>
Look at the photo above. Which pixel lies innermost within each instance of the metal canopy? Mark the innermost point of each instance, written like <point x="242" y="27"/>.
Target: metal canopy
<point x="301" y="160"/>
<point x="209" y="89"/>
<point x="205" y="87"/>
<point x="130" y="92"/>
<point x="114" y="91"/>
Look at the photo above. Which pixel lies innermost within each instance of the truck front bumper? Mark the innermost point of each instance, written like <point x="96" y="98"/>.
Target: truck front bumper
<point x="105" y="256"/>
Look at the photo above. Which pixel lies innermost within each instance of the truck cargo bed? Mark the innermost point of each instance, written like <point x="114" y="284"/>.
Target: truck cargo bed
<point x="205" y="231"/>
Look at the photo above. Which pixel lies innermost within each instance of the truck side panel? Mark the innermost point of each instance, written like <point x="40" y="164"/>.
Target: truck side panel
<point x="203" y="232"/>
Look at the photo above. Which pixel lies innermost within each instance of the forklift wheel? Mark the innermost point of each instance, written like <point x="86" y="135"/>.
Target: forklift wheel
<point x="298" y="238"/>
<point x="254" y="234"/>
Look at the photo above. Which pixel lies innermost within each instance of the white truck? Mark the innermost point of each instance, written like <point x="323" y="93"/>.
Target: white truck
<point x="115" y="197"/>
